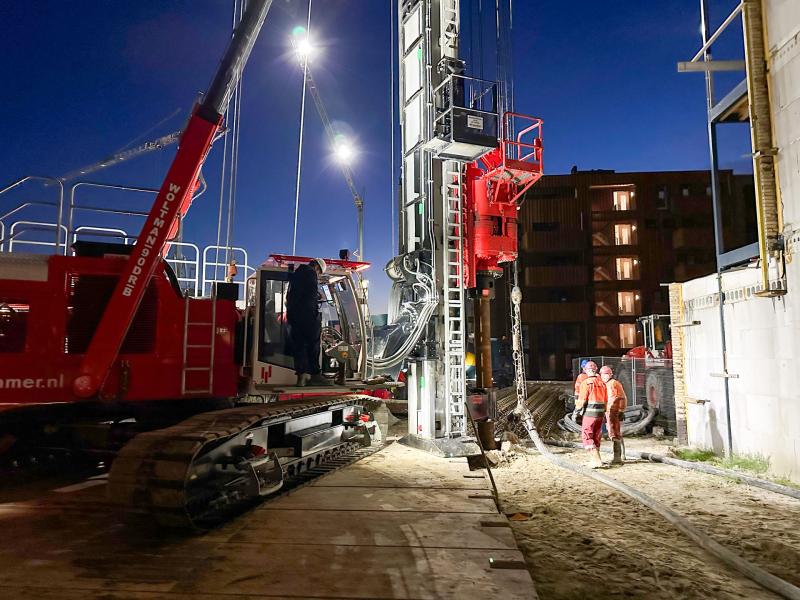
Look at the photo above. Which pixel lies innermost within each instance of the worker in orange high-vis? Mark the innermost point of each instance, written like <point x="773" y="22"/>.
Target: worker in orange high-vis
<point x="581" y="376"/>
<point x="617" y="401"/>
<point x="591" y="403"/>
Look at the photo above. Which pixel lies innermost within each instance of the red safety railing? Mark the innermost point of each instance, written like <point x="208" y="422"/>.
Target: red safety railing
<point x="519" y="158"/>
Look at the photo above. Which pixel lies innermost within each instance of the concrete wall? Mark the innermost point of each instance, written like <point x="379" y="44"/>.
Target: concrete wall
<point x="763" y="334"/>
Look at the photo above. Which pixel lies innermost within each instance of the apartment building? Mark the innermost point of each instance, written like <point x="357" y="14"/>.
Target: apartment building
<point x="596" y="247"/>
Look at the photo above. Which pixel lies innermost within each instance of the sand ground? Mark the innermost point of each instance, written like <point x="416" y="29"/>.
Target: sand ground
<point x="585" y="540"/>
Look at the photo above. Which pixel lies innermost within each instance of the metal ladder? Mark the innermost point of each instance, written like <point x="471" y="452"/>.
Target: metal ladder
<point x="454" y="315"/>
<point x="207" y="368"/>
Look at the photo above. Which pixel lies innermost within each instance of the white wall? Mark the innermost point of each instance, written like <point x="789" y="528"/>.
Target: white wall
<point x="763" y="334"/>
<point x="763" y="339"/>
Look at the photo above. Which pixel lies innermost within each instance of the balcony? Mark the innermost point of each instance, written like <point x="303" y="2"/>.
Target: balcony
<point x="570" y="275"/>
<point x="555" y="312"/>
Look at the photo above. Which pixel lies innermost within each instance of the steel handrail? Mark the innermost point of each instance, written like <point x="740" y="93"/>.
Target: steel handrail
<point x="32" y="225"/>
<point x="60" y="204"/>
<point x="109" y="186"/>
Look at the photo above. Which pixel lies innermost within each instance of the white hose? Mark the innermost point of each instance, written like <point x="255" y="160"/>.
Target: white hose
<point x="685" y="464"/>
<point x="745" y="567"/>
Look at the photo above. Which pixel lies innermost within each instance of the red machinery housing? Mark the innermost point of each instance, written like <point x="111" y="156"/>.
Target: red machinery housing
<point x="56" y="306"/>
<point x="495" y="184"/>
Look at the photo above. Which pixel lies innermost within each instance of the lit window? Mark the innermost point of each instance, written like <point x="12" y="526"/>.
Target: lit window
<point x="626" y="303"/>
<point x="622" y="200"/>
<point x="685" y="191"/>
<point x="625" y="268"/>
<point x="623" y="234"/>
<point x="627" y="335"/>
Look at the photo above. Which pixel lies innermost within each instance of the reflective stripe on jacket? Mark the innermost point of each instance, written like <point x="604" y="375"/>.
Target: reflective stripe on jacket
<point x="617" y="400"/>
<point x="594" y="395"/>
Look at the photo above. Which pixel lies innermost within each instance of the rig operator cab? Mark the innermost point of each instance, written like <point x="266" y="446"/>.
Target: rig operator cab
<point x="269" y="364"/>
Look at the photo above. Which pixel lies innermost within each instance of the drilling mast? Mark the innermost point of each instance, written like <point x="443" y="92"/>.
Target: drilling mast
<point x="465" y="167"/>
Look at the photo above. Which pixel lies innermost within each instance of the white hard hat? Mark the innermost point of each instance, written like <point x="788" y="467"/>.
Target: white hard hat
<point x="321" y="264"/>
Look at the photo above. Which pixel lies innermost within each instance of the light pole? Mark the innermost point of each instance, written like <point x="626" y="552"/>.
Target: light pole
<point x="302" y="45"/>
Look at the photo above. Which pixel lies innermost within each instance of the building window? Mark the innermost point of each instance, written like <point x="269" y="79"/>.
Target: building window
<point x="626" y="303"/>
<point x="623" y="200"/>
<point x="708" y="190"/>
<point x="624" y="234"/>
<point x="685" y="191"/>
<point x="627" y="335"/>
<point x="627" y="268"/>
<point x="662" y="202"/>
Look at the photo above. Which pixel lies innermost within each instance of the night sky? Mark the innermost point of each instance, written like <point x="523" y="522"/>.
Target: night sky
<point x="81" y="80"/>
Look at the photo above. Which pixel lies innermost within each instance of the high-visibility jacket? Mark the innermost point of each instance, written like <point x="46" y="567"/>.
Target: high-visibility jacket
<point x="617" y="400"/>
<point x="594" y="395"/>
<point x="580" y="379"/>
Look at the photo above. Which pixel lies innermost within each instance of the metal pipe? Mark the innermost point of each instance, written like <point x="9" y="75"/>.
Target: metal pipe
<point x="483" y="341"/>
<point x="707" y="42"/>
<point x="718" y="231"/>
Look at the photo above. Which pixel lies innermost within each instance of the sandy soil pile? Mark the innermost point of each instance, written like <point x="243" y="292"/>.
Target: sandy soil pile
<point x="585" y="540"/>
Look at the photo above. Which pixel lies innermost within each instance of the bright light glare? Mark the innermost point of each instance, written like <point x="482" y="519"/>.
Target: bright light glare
<point x="344" y="152"/>
<point x="304" y="49"/>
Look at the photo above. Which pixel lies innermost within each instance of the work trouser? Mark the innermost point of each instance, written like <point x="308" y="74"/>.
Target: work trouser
<point x="305" y="342"/>
<point x="614" y="425"/>
<point x="591" y="430"/>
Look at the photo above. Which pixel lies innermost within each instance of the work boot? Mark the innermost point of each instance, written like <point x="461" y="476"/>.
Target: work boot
<point x="318" y="379"/>
<point x="302" y="379"/>
<point x="595" y="462"/>
<point x="618" y="458"/>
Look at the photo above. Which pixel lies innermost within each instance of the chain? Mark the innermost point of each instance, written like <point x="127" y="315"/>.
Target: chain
<point x="516" y="341"/>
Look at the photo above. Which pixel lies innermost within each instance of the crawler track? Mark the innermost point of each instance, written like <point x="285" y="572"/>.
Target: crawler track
<point x="154" y="473"/>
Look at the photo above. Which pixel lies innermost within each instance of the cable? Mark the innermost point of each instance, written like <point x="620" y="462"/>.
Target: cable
<point x="393" y="198"/>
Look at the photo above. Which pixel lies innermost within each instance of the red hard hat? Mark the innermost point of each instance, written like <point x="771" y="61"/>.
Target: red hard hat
<point x="606" y="369"/>
<point x="590" y="366"/>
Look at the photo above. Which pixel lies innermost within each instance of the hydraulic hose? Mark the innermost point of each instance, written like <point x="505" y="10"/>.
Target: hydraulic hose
<point x="628" y="427"/>
<point x="746" y="568"/>
<point x="685" y="464"/>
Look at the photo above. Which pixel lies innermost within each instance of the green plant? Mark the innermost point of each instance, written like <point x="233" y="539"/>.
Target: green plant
<point x="694" y="455"/>
<point x="755" y="464"/>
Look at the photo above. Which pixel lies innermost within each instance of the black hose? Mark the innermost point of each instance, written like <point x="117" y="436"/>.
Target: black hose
<point x="685" y="464"/>
<point x="746" y="568"/>
<point x="628" y="427"/>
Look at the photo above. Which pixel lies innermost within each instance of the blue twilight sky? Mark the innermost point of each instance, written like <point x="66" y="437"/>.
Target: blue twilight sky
<point x="82" y="79"/>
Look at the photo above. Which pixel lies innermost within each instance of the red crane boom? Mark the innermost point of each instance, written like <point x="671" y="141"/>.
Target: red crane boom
<point x="173" y="199"/>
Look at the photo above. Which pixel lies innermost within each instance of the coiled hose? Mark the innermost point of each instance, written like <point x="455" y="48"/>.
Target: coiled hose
<point x="746" y="568"/>
<point x="685" y="464"/>
<point x="629" y="427"/>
